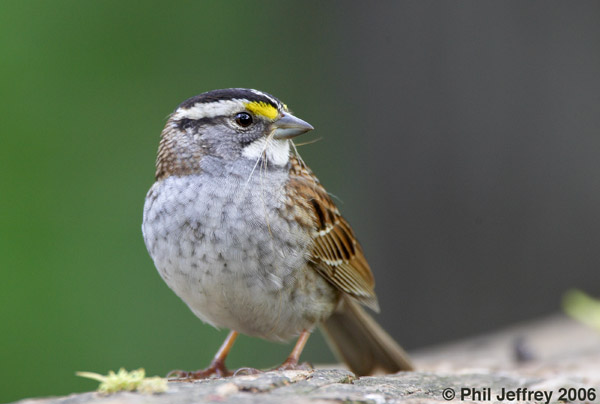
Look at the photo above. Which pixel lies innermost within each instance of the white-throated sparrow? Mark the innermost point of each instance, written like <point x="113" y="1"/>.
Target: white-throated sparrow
<point x="243" y="232"/>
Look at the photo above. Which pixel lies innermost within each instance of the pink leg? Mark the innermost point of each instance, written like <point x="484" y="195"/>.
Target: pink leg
<point x="217" y="366"/>
<point x="291" y="363"/>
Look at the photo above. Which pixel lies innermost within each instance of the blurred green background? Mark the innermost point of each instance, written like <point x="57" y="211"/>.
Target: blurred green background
<point x="86" y="89"/>
<point x="460" y="137"/>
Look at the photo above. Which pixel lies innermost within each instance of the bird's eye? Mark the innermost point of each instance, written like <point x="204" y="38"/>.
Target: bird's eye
<point x="243" y="119"/>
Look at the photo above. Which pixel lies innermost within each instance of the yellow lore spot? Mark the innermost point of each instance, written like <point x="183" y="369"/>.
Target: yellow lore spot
<point x="263" y="109"/>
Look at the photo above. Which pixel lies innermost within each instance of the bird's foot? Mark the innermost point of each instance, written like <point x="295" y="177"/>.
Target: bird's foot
<point x="216" y="370"/>
<point x="294" y="365"/>
<point x="247" y="371"/>
<point x="287" y="365"/>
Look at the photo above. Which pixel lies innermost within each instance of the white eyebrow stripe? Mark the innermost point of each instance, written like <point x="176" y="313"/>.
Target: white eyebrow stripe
<point x="211" y="109"/>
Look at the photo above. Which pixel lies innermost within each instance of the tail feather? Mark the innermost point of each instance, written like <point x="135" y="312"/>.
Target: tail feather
<point x="361" y="343"/>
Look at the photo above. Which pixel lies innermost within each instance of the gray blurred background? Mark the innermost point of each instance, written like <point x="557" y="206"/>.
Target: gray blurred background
<point x="461" y="139"/>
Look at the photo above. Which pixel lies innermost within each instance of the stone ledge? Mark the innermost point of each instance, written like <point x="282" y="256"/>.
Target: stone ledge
<point x="324" y="386"/>
<point x="543" y="356"/>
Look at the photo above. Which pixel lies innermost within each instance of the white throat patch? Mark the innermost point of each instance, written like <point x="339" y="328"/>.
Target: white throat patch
<point x="276" y="151"/>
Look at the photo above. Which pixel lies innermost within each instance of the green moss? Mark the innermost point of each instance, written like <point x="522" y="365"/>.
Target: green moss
<point x="123" y="380"/>
<point x="582" y="307"/>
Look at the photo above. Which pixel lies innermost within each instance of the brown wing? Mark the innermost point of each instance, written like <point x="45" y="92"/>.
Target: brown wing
<point x="336" y="253"/>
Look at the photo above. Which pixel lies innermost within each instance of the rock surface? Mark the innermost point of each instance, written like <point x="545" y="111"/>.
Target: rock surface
<point x="543" y="357"/>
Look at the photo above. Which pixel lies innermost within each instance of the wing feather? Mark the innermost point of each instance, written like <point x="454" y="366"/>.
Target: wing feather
<point x="336" y="254"/>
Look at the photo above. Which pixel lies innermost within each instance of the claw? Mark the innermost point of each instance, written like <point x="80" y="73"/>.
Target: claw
<point x="291" y="365"/>
<point x="216" y="370"/>
<point x="247" y="371"/>
<point x="178" y="374"/>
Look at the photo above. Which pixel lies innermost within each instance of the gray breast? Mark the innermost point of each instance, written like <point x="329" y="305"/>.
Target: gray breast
<point x="224" y="241"/>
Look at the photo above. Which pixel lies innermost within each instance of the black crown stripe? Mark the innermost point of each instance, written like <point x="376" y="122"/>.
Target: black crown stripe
<point x="230" y="94"/>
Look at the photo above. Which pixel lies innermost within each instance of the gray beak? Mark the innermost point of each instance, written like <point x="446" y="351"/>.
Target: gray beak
<point x="288" y="126"/>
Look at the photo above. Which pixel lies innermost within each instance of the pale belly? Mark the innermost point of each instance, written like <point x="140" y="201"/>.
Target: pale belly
<point x="233" y="256"/>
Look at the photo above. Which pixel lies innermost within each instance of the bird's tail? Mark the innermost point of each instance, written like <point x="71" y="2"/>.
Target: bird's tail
<point x="361" y="343"/>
